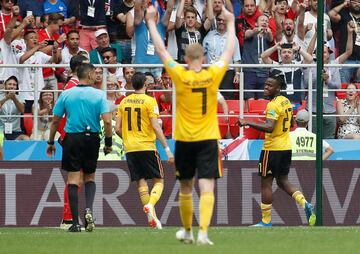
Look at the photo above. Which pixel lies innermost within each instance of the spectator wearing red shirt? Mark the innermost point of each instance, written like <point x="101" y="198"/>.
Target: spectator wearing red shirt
<point x="5" y="15"/>
<point x="51" y="33"/>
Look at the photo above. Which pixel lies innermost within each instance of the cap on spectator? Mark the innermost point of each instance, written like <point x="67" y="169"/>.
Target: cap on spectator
<point x="100" y="32"/>
<point x="302" y="116"/>
<point x="12" y="77"/>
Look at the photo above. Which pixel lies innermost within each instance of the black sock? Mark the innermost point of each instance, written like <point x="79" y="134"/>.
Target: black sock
<point x="73" y="200"/>
<point x="90" y="189"/>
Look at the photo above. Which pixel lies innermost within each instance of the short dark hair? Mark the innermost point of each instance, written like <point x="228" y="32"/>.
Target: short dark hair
<point x="279" y="77"/>
<point x="54" y="18"/>
<point x="84" y="69"/>
<point x="29" y="32"/>
<point x="76" y="61"/>
<point x="138" y="80"/>
<point x="108" y="49"/>
<point x="72" y="32"/>
<point x="16" y="80"/>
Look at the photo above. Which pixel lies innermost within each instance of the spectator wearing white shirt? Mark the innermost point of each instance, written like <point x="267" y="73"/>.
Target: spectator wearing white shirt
<point x="71" y="49"/>
<point x="29" y="77"/>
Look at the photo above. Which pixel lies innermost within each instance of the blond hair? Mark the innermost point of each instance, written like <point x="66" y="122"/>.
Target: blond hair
<point x="194" y="51"/>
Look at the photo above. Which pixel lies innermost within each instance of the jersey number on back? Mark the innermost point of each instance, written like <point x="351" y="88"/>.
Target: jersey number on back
<point x="138" y="118"/>
<point x="203" y="101"/>
<point x="287" y="119"/>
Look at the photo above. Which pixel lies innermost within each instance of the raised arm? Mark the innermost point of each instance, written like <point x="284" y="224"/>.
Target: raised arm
<point x="231" y="37"/>
<point x="334" y="12"/>
<point x="210" y="15"/>
<point x="179" y="13"/>
<point x="167" y="15"/>
<point x="265" y="56"/>
<point x="138" y="12"/>
<point x="300" y="24"/>
<point x="349" y="44"/>
<point x="151" y="13"/>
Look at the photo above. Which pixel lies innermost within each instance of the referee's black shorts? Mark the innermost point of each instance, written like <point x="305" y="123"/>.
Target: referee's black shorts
<point x="200" y="156"/>
<point x="80" y="151"/>
<point x="275" y="163"/>
<point x="144" y="165"/>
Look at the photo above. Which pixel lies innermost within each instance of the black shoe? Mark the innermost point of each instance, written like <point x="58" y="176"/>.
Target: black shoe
<point x="75" y="228"/>
<point x="89" y="220"/>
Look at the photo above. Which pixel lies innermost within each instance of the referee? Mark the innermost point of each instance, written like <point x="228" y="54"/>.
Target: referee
<point x="83" y="106"/>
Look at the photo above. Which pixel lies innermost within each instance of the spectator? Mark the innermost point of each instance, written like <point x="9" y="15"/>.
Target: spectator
<point x="306" y="26"/>
<point x="218" y="4"/>
<point x="51" y="34"/>
<point x="98" y="77"/>
<point x="34" y="7"/>
<point x="331" y="77"/>
<point x="111" y="86"/>
<point x="52" y="6"/>
<point x="145" y="50"/>
<point x="127" y="85"/>
<point x="13" y="106"/>
<point x="31" y="76"/>
<point x="341" y="15"/>
<point x="304" y="141"/>
<point x="103" y="41"/>
<point x="71" y="49"/>
<point x="18" y="44"/>
<point x="5" y="15"/>
<point x="45" y="107"/>
<point x="349" y="125"/>
<point x="214" y="46"/>
<point x="246" y="20"/>
<point x="186" y="31"/>
<point x="7" y="56"/>
<point x="257" y="40"/>
<point x="293" y="76"/>
<point x="92" y="18"/>
<point x="285" y="33"/>
<point x="109" y="57"/>
<point x="118" y="34"/>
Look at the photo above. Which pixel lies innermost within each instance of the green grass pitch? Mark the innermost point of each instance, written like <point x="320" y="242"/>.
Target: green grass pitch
<point x="279" y="240"/>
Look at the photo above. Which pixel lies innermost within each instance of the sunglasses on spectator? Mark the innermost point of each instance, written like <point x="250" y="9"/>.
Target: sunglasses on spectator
<point x="107" y="57"/>
<point x="10" y="1"/>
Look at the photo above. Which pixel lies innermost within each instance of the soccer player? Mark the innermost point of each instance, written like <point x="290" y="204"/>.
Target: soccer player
<point x="137" y="124"/>
<point x="275" y="158"/>
<point x="83" y="106"/>
<point x="196" y="127"/>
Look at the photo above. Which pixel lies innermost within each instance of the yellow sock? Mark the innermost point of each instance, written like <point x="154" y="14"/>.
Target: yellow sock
<point x="207" y="201"/>
<point x="186" y="210"/>
<point x="144" y="195"/>
<point x="266" y="212"/>
<point x="299" y="198"/>
<point x="156" y="193"/>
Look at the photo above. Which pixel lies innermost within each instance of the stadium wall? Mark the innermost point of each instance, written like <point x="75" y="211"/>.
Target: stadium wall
<point x="31" y="194"/>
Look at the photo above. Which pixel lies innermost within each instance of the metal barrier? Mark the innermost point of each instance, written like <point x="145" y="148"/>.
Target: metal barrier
<point x="241" y="89"/>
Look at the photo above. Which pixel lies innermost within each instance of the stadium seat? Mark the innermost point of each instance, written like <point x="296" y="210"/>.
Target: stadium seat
<point x="234" y="106"/>
<point x="341" y="94"/>
<point x="28" y="123"/>
<point x="223" y="127"/>
<point x="257" y="106"/>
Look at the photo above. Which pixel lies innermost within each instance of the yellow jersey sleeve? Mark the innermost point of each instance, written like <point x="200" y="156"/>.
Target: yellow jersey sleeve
<point x="152" y="108"/>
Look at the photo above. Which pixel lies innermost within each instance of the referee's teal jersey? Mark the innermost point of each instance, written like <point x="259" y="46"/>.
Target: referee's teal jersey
<point x="83" y="106"/>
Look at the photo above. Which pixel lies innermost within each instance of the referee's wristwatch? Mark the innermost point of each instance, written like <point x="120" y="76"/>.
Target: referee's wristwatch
<point x="51" y="142"/>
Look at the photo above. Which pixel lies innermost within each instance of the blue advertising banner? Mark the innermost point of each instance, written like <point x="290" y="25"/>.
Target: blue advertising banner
<point x="35" y="150"/>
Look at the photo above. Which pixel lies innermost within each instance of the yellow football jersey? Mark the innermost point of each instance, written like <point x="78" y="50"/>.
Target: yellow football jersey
<point x="279" y="109"/>
<point x="196" y="100"/>
<point x="137" y="132"/>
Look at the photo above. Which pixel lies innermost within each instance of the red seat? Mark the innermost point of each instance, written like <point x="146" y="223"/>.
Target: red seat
<point x="223" y="127"/>
<point x="249" y="132"/>
<point x="28" y="123"/>
<point x="341" y="94"/>
<point x="234" y="106"/>
<point x="257" y="106"/>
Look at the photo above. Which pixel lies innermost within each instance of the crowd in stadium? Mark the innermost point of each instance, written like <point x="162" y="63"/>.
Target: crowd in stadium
<point x="113" y="31"/>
